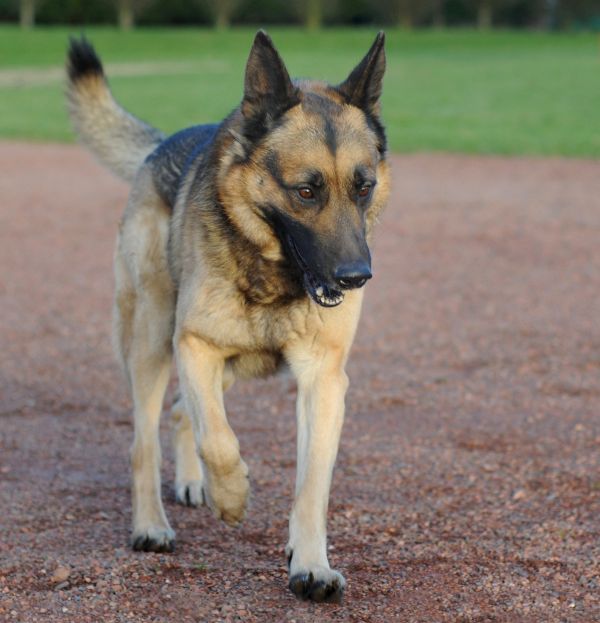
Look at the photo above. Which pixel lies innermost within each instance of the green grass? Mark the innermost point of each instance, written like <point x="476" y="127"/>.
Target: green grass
<point x="500" y="92"/>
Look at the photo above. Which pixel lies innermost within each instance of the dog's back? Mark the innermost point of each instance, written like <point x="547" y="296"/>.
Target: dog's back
<point x="121" y="141"/>
<point x="172" y="159"/>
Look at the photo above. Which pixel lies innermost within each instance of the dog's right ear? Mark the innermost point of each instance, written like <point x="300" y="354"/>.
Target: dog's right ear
<point x="268" y="90"/>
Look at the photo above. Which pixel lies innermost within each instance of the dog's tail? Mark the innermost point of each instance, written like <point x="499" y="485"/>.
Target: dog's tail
<point x="119" y="140"/>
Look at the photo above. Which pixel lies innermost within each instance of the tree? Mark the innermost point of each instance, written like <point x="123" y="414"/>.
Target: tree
<point x="486" y="11"/>
<point x="222" y="11"/>
<point x="125" y="14"/>
<point x="438" y="18"/>
<point x="484" y="14"/>
<point x="27" y="13"/>
<point x="569" y="13"/>
<point x="313" y="19"/>
<point x="314" y="13"/>
<point x="406" y="14"/>
<point x="411" y="12"/>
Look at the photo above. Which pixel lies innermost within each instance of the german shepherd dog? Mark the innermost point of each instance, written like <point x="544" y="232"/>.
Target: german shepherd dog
<point x="244" y="246"/>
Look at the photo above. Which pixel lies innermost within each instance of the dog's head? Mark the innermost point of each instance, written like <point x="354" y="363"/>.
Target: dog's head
<point x="307" y="163"/>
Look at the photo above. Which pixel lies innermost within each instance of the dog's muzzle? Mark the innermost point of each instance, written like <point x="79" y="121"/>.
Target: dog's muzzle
<point x="346" y="277"/>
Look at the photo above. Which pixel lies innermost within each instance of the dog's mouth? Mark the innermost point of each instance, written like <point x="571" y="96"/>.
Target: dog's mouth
<point x="319" y="291"/>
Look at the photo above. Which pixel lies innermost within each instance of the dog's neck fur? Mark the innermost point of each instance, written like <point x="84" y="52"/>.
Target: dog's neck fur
<point x="262" y="281"/>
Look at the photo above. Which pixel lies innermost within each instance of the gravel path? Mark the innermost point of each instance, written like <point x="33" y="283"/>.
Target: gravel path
<point x="468" y="481"/>
<point x="55" y="75"/>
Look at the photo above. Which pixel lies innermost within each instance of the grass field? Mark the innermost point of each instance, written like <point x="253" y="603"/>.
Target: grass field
<point x="501" y="92"/>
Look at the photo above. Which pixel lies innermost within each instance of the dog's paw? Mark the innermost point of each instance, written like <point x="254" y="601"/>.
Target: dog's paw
<point x="189" y="476"/>
<point x="319" y="584"/>
<point x="153" y="540"/>
<point x="190" y="493"/>
<point x="226" y="493"/>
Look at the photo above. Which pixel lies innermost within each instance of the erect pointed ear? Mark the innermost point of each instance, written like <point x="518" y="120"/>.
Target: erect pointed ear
<point x="268" y="90"/>
<point x="362" y="88"/>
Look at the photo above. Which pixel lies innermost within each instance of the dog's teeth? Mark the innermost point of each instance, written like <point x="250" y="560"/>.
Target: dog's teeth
<point x="327" y="300"/>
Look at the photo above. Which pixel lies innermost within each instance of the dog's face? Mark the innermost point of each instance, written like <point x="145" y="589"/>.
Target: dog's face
<point x="312" y="166"/>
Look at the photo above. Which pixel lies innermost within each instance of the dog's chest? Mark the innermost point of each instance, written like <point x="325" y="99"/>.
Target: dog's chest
<point x="223" y="316"/>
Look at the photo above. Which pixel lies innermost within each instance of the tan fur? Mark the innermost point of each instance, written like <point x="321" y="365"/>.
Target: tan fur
<point x="117" y="139"/>
<point x="215" y="330"/>
<point x="227" y="307"/>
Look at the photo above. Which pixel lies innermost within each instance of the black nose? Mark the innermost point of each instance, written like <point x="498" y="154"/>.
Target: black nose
<point x="352" y="275"/>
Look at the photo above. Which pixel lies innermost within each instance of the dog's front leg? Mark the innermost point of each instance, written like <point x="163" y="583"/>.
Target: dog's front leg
<point x="322" y="385"/>
<point x="201" y="367"/>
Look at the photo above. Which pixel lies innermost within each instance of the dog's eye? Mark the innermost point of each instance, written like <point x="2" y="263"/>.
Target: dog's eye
<point x="364" y="190"/>
<point x="306" y="193"/>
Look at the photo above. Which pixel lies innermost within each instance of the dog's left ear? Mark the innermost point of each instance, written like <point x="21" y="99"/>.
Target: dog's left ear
<point x="362" y="88"/>
<point x="268" y="90"/>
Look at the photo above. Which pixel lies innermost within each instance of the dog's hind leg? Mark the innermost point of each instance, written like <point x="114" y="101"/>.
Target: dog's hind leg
<point x="150" y="371"/>
<point x="189" y="477"/>
<point x="147" y="359"/>
<point x="143" y="319"/>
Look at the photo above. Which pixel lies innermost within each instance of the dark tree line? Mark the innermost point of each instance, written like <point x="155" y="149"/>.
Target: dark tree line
<point x="311" y="13"/>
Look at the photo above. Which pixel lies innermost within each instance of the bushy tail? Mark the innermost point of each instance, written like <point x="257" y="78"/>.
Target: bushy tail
<point x="119" y="140"/>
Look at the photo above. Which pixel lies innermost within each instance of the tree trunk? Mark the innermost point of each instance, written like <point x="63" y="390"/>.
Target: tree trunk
<point x="126" y="15"/>
<point x="223" y="11"/>
<point x="314" y="14"/>
<point x="405" y="14"/>
<point x="439" y="19"/>
<point x="27" y="13"/>
<point x="484" y="14"/>
<point x="548" y="15"/>
<point x="222" y="20"/>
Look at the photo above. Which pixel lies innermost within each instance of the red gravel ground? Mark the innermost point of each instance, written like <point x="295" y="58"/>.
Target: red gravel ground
<point x="468" y="481"/>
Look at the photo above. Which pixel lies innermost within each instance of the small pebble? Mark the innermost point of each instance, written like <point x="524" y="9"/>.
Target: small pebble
<point x="60" y="575"/>
<point x="520" y="494"/>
